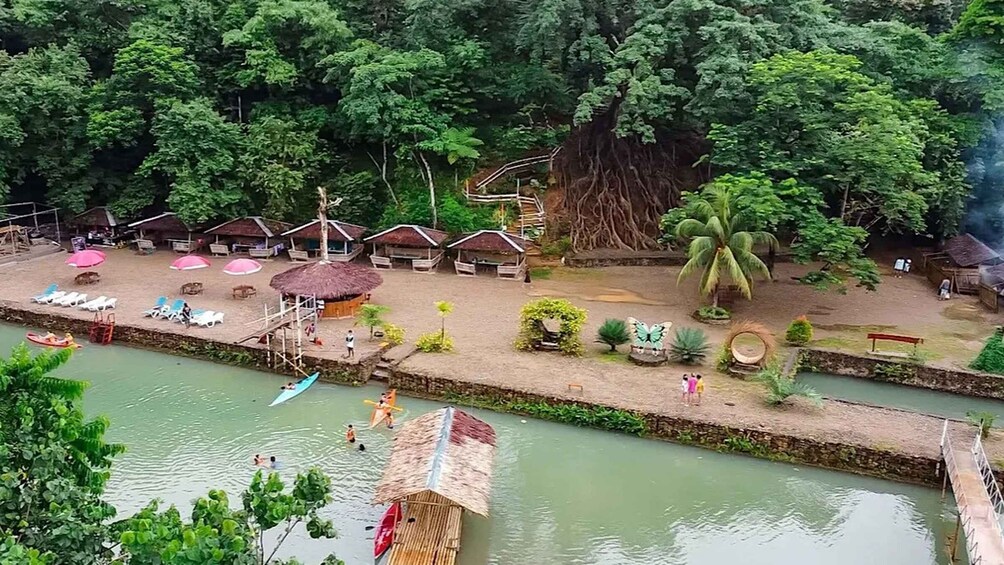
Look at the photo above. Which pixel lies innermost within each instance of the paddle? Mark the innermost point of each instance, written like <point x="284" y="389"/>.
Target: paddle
<point x="385" y="405"/>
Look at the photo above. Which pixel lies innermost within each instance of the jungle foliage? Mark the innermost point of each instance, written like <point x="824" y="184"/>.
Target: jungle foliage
<point x="848" y="117"/>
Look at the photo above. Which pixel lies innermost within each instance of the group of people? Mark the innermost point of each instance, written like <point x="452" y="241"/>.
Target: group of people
<point x="51" y="338"/>
<point x="260" y="461"/>
<point x="692" y="388"/>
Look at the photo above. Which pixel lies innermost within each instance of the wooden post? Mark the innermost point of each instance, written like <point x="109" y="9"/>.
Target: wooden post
<point x="944" y="483"/>
<point x="955" y="539"/>
<point x="322" y="215"/>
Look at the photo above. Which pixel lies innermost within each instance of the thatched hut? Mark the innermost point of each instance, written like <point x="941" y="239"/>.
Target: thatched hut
<point x="440" y="465"/>
<point x="418" y="245"/>
<point x="960" y="261"/>
<point x="505" y="253"/>
<point x="254" y="235"/>
<point x="344" y="240"/>
<point x="100" y="226"/>
<point x="342" y="287"/>
<point x="167" y="228"/>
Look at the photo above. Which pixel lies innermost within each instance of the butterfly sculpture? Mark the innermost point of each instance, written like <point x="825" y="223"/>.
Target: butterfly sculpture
<point x="644" y="338"/>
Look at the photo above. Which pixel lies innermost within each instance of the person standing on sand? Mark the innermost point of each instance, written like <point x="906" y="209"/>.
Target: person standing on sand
<point x="684" y="388"/>
<point x="691" y="388"/>
<point x="700" y="389"/>
<point x="898" y="267"/>
<point x="350" y="345"/>
<point x="944" y="290"/>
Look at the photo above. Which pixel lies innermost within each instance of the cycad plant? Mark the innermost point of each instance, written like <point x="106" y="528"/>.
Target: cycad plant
<point x="780" y="388"/>
<point x="689" y="347"/>
<point x="613" y="332"/>
<point x="719" y="245"/>
<point x="983" y="420"/>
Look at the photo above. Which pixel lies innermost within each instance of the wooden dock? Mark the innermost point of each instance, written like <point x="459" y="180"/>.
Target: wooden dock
<point x="429" y="532"/>
<point x="978" y="499"/>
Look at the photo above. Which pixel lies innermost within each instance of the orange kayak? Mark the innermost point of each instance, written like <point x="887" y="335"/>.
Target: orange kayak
<point x="57" y="342"/>
<point x="379" y="414"/>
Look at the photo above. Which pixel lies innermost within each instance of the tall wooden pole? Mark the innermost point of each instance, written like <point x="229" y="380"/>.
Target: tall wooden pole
<point x="322" y="216"/>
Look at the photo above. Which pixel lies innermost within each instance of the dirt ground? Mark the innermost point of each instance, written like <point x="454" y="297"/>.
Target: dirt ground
<point x="485" y="322"/>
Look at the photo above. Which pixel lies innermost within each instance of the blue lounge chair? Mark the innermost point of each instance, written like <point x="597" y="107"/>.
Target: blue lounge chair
<point x="46" y="293"/>
<point x="157" y="308"/>
<point x="173" y="310"/>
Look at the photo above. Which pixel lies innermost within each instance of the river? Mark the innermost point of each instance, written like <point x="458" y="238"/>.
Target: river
<point x="561" y="495"/>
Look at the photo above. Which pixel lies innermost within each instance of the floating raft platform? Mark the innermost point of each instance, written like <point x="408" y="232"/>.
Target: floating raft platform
<point x="441" y="464"/>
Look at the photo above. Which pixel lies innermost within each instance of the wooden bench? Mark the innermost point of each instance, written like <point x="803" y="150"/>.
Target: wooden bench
<point x="191" y="288"/>
<point x="465" y="269"/>
<point x="145" y="247"/>
<point x="512" y="272"/>
<point x="295" y="255"/>
<point x="426" y="265"/>
<point x="260" y="253"/>
<point x="219" y="250"/>
<point x="381" y="262"/>
<point x="182" y="246"/>
<point x="244" y="291"/>
<point x="90" y="277"/>
<point x="876" y="337"/>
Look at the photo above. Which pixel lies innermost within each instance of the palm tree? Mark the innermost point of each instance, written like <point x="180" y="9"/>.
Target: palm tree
<point x="719" y="245"/>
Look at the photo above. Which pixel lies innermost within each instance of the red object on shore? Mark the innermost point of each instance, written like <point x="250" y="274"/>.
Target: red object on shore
<point x="58" y="342"/>
<point x="385" y="531"/>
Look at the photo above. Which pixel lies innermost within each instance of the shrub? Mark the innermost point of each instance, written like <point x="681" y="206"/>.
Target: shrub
<point x="393" y="334"/>
<point x="370" y="315"/>
<point x="780" y="388"/>
<point x="434" y="342"/>
<point x="713" y="313"/>
<point x="531" y="319"/>
<point x="799" y="331"/>
<point x="613" y="333"/>
<point x="556" y="248"/>
<point x="690" y="346"/>
<point x="991" y="358"/>
<point x="982" y="420"/>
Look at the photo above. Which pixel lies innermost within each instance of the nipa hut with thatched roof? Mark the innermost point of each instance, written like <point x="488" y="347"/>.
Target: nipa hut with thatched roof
<point x="99" y="224"/>
<point x="418" y="245"/>
<point x="166" y="227"/>
<point x="258" y="237"/>
<point x="440" y="465"/>
<point x="505" y="253"/>
<point x="341" y="287"/>
<point x="344" y="240"/>
<point x="960" y="261"/>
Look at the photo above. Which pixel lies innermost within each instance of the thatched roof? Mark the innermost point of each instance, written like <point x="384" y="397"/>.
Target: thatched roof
<point x="337" y="231"/>
<point x="98" y="217"/>
<point x="491" y="241"/>
<point x="166" y="222"/>
<point x="407" y="235"/>
<point x="249" y="226"/>
<point x="327" y="281"/>
<point x="448" y="452"/>
<point x="967" y="251"/>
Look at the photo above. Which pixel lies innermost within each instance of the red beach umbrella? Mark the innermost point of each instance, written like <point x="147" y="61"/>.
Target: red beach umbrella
<point x="86" y="259"/>
<point x="189" y="263"/>
<point x="239" y="267"/>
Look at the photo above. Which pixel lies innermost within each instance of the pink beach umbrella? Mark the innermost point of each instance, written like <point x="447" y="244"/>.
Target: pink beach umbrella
<point x="190" y="263"/>
<point x="242" y="267"/>
<point x="86" y="259"/>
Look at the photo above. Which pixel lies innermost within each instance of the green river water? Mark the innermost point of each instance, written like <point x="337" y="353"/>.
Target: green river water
<point x="915" y="399"/>
<point x="561" y="495"/>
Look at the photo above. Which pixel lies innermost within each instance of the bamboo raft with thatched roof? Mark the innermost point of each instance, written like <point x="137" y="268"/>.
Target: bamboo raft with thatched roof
<point x="440" y="465"/>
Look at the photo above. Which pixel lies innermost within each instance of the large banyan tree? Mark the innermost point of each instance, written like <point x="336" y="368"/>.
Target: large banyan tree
<point x="657" y="78"/>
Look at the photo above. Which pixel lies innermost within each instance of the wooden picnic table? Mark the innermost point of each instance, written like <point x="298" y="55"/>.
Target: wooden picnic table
<point x="245" y="290"/>
<point x="191" y="288"/>
<point x="90" y="277"/>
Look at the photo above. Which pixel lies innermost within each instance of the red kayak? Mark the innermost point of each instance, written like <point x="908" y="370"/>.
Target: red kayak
<point x="385" y="531"/>
<point x="56" y="342"/>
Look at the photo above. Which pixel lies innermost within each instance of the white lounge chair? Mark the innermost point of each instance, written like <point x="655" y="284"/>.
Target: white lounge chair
<point x="45" y="293"/>
<point x="106" y="304"/>
<point x="66" y="299"/>
<point x="80" y="299"/>
<point x="210" y="319"/>
<point x="87" y="305"/>
<point x="198" y="317"/>
<point x="52" y="297"/>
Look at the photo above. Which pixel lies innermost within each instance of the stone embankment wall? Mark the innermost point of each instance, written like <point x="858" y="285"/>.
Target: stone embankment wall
<point x="911" y="374"/>
<point x="332" y="370"/>
<point x="652" y="258"/>
<point x="758" y="443"/>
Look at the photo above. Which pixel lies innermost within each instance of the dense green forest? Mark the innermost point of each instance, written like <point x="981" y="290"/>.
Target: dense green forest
<point x="850" y="117"/>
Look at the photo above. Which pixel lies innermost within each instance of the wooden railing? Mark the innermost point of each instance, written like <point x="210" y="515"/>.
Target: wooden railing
<point x="989" y="297"/>
<point x="527" y="221"/>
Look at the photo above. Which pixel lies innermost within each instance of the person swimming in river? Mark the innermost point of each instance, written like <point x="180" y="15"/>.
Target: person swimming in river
<point x="350" y="434"/>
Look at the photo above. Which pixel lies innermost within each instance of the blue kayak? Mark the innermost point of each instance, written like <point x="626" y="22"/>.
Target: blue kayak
<point x="300" y="387"/>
